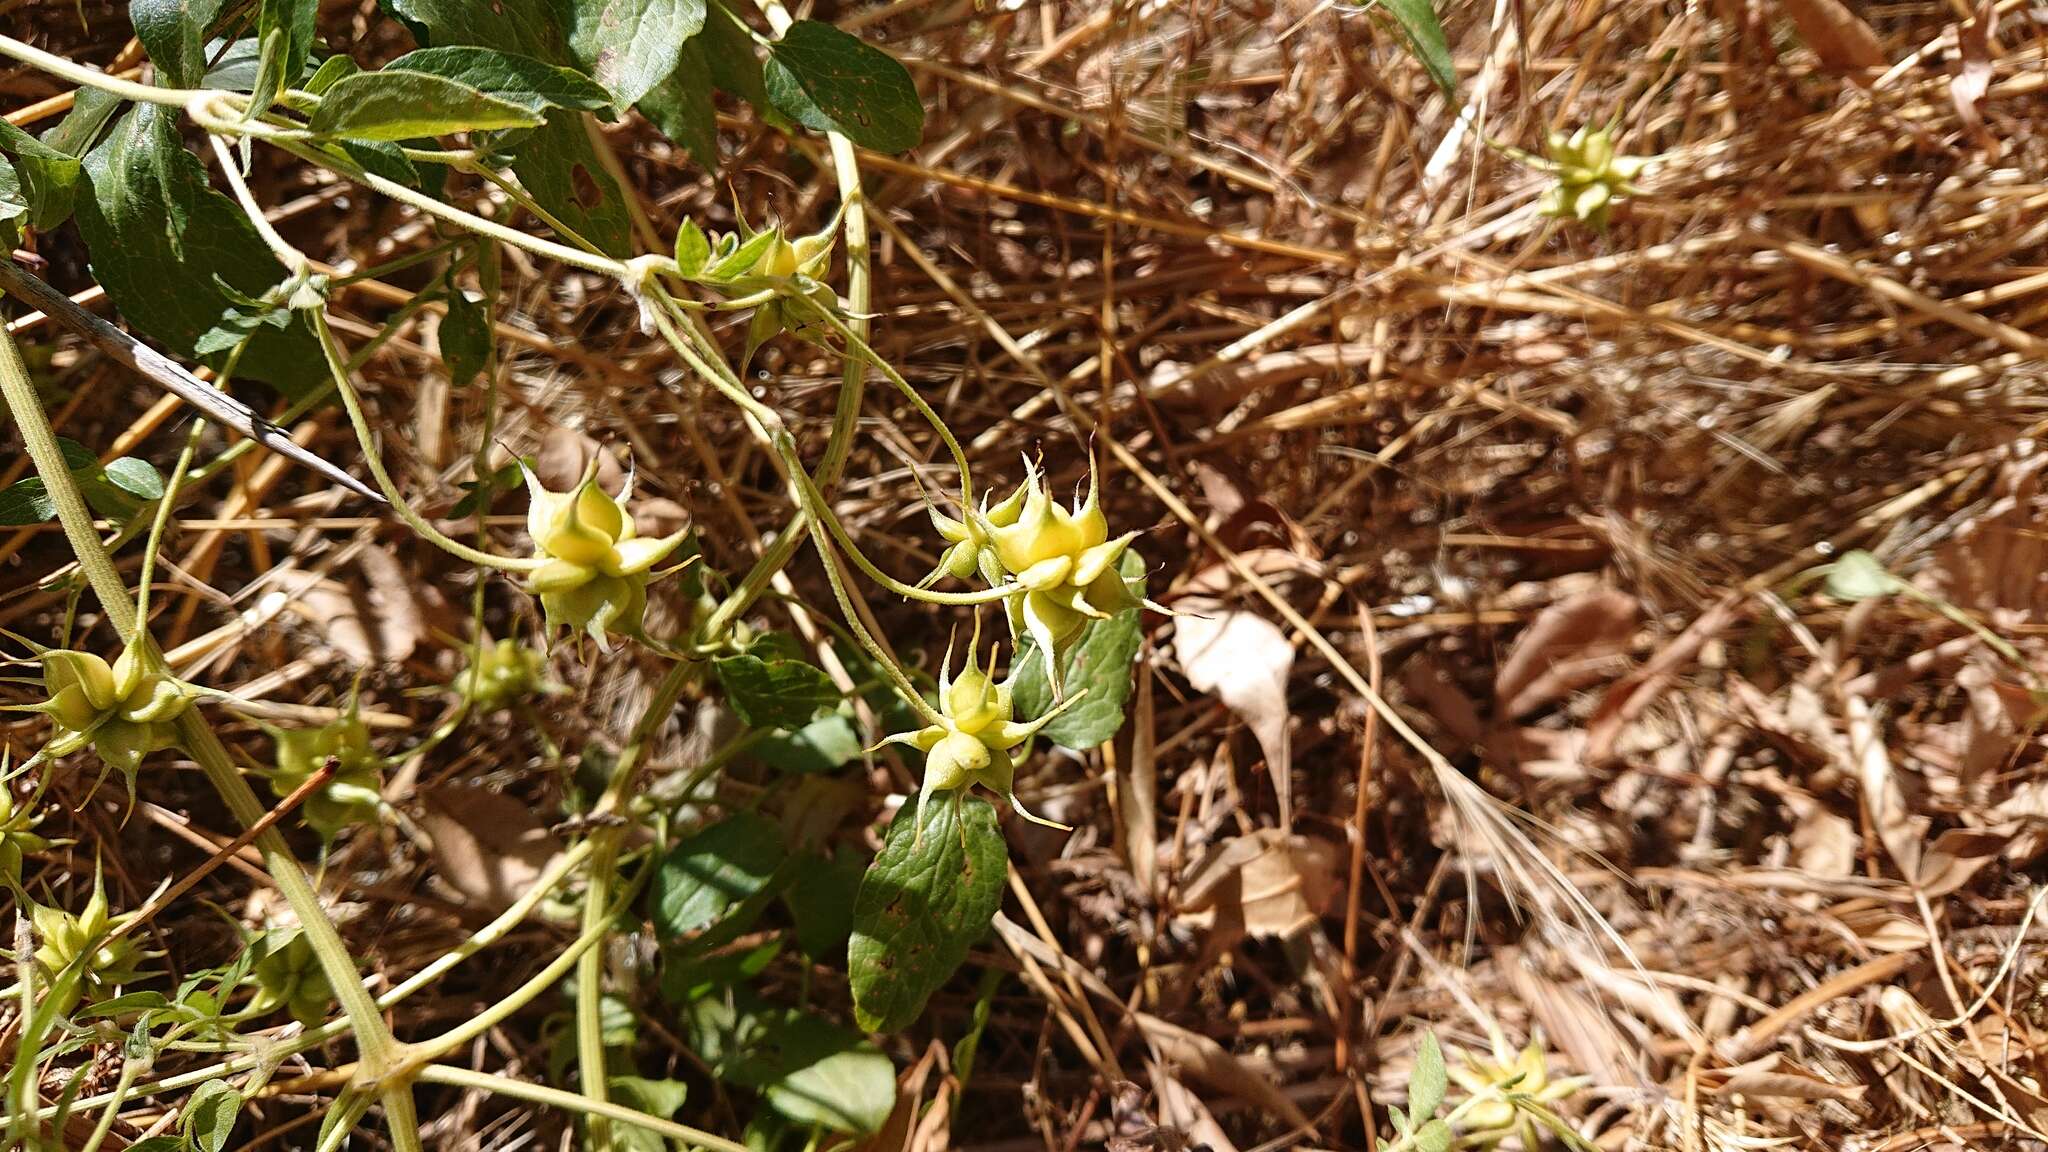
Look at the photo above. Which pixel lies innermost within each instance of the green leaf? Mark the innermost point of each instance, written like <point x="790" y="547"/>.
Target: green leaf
<point x="559" y="167"/>
<point x="524" y="26"/>
<point x="50" y="168"/>
<point x="173" y="32"/>
<point x="1427" y="1083"/>
<point x="739" y="260"/>
<point x="332" y="69"/>
<point x="929" y="895"/>
<point x="828" y="80"/>
<point x="708" y="872"/>
<point x="681" y="106"/>
<point x="234" y="70"/>
<point x="14" y="203"/>
<point x="816" y="1073"/>
<point x="1858" y="575"/>
<point x="820" y="900"/>
<point x="820" y="746"/>
<point x="522" y="80"/>
<point x="1425" y="36"/>
<point x="692" y="249"/>
<point x="1100" y="661"/>
<point x="158" y="1144"/>
<point x="686" y="978"/>
<point x="138" y="478"/>
<point x="1434" y="1136"/>
<point x="466" y="339"/>
<point x="629" y="46"/>
<point x="735" y="61"/>
<point x="159" y="236"/>
<point x="661" y="1098"/>
<point x="285" y="29"/>
<point x="777" y="693"/>
<point x="26" y="502"/>
<point x="209" y="1115"/>
<point x="394" y="104"/>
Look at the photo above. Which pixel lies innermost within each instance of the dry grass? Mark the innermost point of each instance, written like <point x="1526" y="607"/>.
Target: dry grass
<point x="1546" y="489"/>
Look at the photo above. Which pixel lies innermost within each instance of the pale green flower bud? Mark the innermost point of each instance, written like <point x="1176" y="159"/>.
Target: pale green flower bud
<point x="1526" y="1073"/>
<point x="598" y="568"/>
<point x="1590" y="177"/>
<point x="75" y="954"/>
<point x="977" y="738"/>
<point x="1065" y="563"/>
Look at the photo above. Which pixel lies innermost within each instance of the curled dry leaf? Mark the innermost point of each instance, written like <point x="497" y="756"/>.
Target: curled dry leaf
<point x="1245" y="660"/>
<point x="1202" y="1059"/>
<point x="1569" y="645"/>
<point x="376" y="619"/>
<point x="1267" y="884"/>
<point x="487" y="846"/>
<point x="1841" y="38"/>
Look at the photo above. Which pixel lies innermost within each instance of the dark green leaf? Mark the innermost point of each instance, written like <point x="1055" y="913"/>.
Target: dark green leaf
<point x="820" y="899"/>
<point x="776" y="693"/>
<point x="235" y="69"/>
<point x="817" y="1073"/>
<point x="681" y="105"/>
<point x="158" y="1144"/>
<point x="629" y="46"/>
<point x="686" y="978"/>
<point x="522" y="80"/>
<point x="13" y="201"/>
<point x="159" y="235"/>
<point x="692" y="248"/>
<point x="1100" y="661"/>
<point x="135" y="477"/>
<point x="284" y="29"/>
<point x="706" y="873"/>
<point x="125" y="1005"/>
<point x="77" y="457"/>
<point x="1425" y="37"/>
<point x="929" y="895"/>
<point x="524" y="26"/>
<point x="820" y="746"/>
<point x="465" y="339"/>
<point x="393" y="104"/>
<point x="50" y="167"/>
<point x="735" y="61"/>
<point x="174" y="34"/>
<point x="209" y="1115"/>
<point x="557" y="164"/>
<point x="654" y="1097"/>
<point x="26" y="502"/>
<point x="828" y="80"/>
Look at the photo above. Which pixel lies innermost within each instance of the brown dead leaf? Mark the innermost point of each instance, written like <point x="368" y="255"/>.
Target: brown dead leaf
<point x="373" y="619"/>
<point x="1635" y="692"/>
<point x="1245" y="660"/>
<point x="1202" y="1059"/>
<point x="1955" y="856"/>
<point x="1902" y="832"/>
<point x="1834" y="32"/>
<point x="1266" y="884"/>
<point x="487" y="846"/>
<point x="565" y="452"/>
<point x="1790" y="1086"/>
<point x="1569" y="645"/>
<point x="1973" y="79"/>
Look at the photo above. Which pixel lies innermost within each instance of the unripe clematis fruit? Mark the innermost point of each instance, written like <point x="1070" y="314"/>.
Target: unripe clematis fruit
<point x="1590" y="177"/>
<point x="353" y="795"/>
<point x="501" y="674"/>
<point x="598" y="567"/>
<point x="16" y="836"/>
<point x="124" y="710"/>
<point x="1065" y="565"/>
<point x="74" y="953"/>
<point x="969" y="547"/>
<point x="289" y="976"/>
<point x="977" y="736"/>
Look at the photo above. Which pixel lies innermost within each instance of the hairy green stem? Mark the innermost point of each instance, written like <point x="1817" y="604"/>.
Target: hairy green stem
<point x="597" y="910"/>
<point x="595" y="1109"/>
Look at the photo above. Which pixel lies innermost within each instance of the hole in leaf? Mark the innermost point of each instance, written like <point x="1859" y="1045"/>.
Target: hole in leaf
<point x="589" y="192"/>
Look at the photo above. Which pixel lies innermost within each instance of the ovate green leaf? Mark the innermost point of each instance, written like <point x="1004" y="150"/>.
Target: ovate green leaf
<point x="138" y="478"/>
<point x="466" y="339"/>
<point x="25" y="502"/>
<point x="817" y="1073"/>
<point x="1426" y="1085"/>
<point x="209" y="1115"/>
<point x="557" y="164"/>
<point x="681" y="104"/>
<point x="1425" y="36"/>
<point x="1100" y="661"/>
<point x="774" y="693"/>
<point x="394" y="104"/>
<point x="629" y="46"/>
<point x="929" y="895"/>
<point x="710" y="871"/>
<point x="163" y="242"/>
<point x="829" y="80"/>
<point x="173" y="32"/>
<point x="522" y="80"/>
<point x="693" y="248"/>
